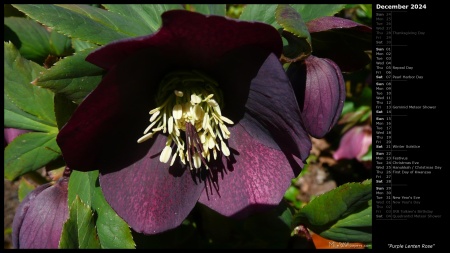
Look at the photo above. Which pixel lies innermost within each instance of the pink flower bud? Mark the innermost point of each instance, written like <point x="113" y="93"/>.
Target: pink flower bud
<point x="355" y="143"/>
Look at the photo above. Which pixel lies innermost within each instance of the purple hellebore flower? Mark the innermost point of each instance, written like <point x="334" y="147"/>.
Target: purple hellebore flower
<point x="338" y="45"/>
<point x="225" y="129"/>
<point x="39" y="219"/>
<point x="354" y="143"/>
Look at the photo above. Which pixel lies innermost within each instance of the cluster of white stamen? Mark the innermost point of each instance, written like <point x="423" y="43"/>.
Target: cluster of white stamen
<point x="195" y="109"/>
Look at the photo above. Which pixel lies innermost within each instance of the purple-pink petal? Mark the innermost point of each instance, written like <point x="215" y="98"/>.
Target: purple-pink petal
<point x="40" y="217"/>
<point x="255" y="179"/>
<point x="268" y="146"/>
<point x="354" y="143"/>
<point x="320" y="90"/>
<point x="197" y="39"/>
<point x="22" y="211"/>
<point x="149" y="195"/>
<point x="341" y="40"/>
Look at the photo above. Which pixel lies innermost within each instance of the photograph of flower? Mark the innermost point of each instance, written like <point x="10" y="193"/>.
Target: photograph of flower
<point x="188" y="126"/>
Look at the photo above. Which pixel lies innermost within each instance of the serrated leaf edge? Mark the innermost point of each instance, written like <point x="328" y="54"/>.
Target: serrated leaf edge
<point x="77" y="198"/>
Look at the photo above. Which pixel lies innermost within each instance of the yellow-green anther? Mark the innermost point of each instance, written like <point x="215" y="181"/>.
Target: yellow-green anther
<point x="177" y="111"/>
<point x="165" y="154"/>
<point x="225" y="149"/>
<point x="170" y="124"/>
<point x="155" y="114"/>
<point x="195" y="99"/>
<point x="226" y="120"/>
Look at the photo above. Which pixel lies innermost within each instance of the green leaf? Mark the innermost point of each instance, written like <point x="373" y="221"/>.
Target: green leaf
<point x="266" y="12"/>
<point x="83" y="21"/>
<point x="292" y="18"/>
<point x="80" y="45"/>
<point x="295" y="32"/>
<point x="356" y="227"/>
<point x="25" y="187"/>
<point x="16" y="118"/>
<point x="113" y="232"/>
<point x="31" y="38"/>
<point x="295" y="49"/>
<point x="29" y="152"/>
<point x="27" y="107"/>
<point x="208" y="9"/>
<point x="72" y="76"/>
<point x="82" y="184"/>
<point x="366" y="116"/>
<point x="291" y="196"/>
<point x="260" y="12"/>
<point x="349" y="106"/>
<point x="343" y="214"/>
<point x="364" y="11"/>
<point x="313" y="11"/>
<point x="365" y="98"/>
<point x="60" y="45"/>
<point x="352" y="118"/>
<point x="79" y="230"/>
<point x="292" y="21"/>
<point x="19" y="72"/>
<point x="146" y="16"/>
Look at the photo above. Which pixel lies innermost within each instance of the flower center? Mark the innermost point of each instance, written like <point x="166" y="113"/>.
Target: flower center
<point x="189" y="102"/>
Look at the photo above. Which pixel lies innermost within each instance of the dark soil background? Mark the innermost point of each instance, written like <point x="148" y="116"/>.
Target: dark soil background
<point x="11" y="202"/>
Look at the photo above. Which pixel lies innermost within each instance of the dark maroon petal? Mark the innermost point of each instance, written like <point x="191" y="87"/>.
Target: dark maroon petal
<point x="193" y="37"/>
<point x="113" y="117"/>
<point x="272" y="111"/>
<point x="39" y="220"/>
<point x="234" y="73"/>
<point x="320" y="90"/>
<point x="338" y="39"/>
<point x="148" y="195"/>
<point x="255" y="181"/>
<point x="11" y="133"/>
